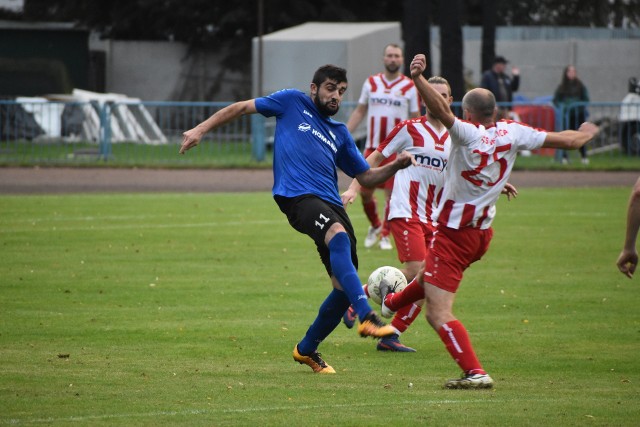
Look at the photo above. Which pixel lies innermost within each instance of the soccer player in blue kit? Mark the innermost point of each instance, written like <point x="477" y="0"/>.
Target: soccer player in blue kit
<point x="309" y="147"/>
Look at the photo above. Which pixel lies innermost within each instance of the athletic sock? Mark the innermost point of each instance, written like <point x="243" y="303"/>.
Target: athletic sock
<point x="456" y="339"/>
<point x="371" y="211"/>
<point x="329" y="317"/>
<point x="365" y="289"/>
<point x="405" y="317"/>
<point x="343" y="269"/>
<point x="386" y="227"/>
<point x="409" y="295"/>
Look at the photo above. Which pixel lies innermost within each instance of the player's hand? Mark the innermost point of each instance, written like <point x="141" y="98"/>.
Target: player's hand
<point x="348" y="197"/>
<point x="418" y="65"/>
<point x="589" y="127"/>
<point x="190" y="139"/>
<point x="404" y="160"/>
<point x="515" y="71"/>
<point x="510" y="191"/>
<point x="627" y="263"/>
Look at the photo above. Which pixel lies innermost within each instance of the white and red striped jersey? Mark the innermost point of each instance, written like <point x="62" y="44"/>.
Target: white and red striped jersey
<point x="388" y="103"/>
<point x="480" y="163"/>
<point x="417" y="189"/>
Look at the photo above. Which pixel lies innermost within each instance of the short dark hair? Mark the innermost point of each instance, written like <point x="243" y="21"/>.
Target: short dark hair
<point x="329" y="72"/>
<point x="393" y="45"/>
<point x="480" y="103"/>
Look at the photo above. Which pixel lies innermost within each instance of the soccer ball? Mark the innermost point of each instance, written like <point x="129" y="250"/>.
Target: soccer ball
<point x="396" y="279"/>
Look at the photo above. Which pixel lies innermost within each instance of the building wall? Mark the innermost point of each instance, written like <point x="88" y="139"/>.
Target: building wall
<point x="168" y="71"/>
<point x="291" y="56"/>
<point x="604" y="66"/>
<point x="145" y="70"/>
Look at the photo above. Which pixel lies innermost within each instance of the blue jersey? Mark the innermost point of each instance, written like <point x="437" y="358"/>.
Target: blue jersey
<point x="308" y="147"/>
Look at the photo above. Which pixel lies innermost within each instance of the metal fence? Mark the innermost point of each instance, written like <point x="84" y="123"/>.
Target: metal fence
<point x="150" y="133"/>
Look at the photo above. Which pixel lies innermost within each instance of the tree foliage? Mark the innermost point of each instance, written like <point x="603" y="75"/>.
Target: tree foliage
<point x="200" y="22"/>
<point x="204" y="23"/>
<point x="229" y="26"/>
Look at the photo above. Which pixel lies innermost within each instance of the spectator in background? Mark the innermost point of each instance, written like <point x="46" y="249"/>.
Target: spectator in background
<point x="387" y="98"/>
<point x="572" y="90"/>
<point x="630" y="120"/>
<point x="628" y="258"/>
<point x="501" y="85"/>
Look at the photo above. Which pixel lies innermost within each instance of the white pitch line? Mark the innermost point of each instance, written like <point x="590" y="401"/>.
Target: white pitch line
<point x="138" y="226"/>
<point x="37" y="227"/>
<point x="88" y="218"/>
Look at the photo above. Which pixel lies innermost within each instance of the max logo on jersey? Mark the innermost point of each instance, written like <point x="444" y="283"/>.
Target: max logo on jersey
<point x="386" y="101"/>
<point x="305" y="127"/>
<point x="433" y="162"/>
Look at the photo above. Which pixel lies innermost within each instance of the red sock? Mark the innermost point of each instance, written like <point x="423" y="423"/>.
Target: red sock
<point x="365" y="288"/>
<point x="412" y="293"/>
<point x="405" y="317"/>
<point x="386" y="228"/>
<point x="456" y="339"/>
<point x="371" y="210"/>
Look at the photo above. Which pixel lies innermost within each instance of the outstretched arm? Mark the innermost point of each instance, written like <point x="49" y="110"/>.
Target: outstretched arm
<point x="349" y="196"/>
<point x="571" y="139"/>
<point x="375" y="176"/>
<point x="192" y="137"/>
<point x="438" y="106"/>
<point x="628" y="258"/>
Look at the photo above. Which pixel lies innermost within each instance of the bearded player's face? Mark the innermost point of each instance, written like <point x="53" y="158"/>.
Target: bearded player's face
<point x="328" y="96"/>
<point x="392" y="59"/>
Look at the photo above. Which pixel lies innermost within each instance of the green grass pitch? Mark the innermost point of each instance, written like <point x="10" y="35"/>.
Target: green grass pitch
<point x="183" y="309"/>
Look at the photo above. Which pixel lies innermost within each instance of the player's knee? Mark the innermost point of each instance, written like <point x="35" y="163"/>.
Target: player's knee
<point x="411" y="270"/>
<point x="436" y="320"/>
<point x="438" y="313"/>
<point x="335" y="229"/>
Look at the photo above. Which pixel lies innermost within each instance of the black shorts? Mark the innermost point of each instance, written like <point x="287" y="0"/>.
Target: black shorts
<point x="313" y="216"/>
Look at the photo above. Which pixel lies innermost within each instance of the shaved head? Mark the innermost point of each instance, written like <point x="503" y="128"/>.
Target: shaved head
<point x="480" y="103"/>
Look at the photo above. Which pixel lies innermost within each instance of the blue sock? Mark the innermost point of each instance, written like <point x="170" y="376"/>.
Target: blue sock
<point x="345" y="272"/>
<point x="329" y="316"/>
